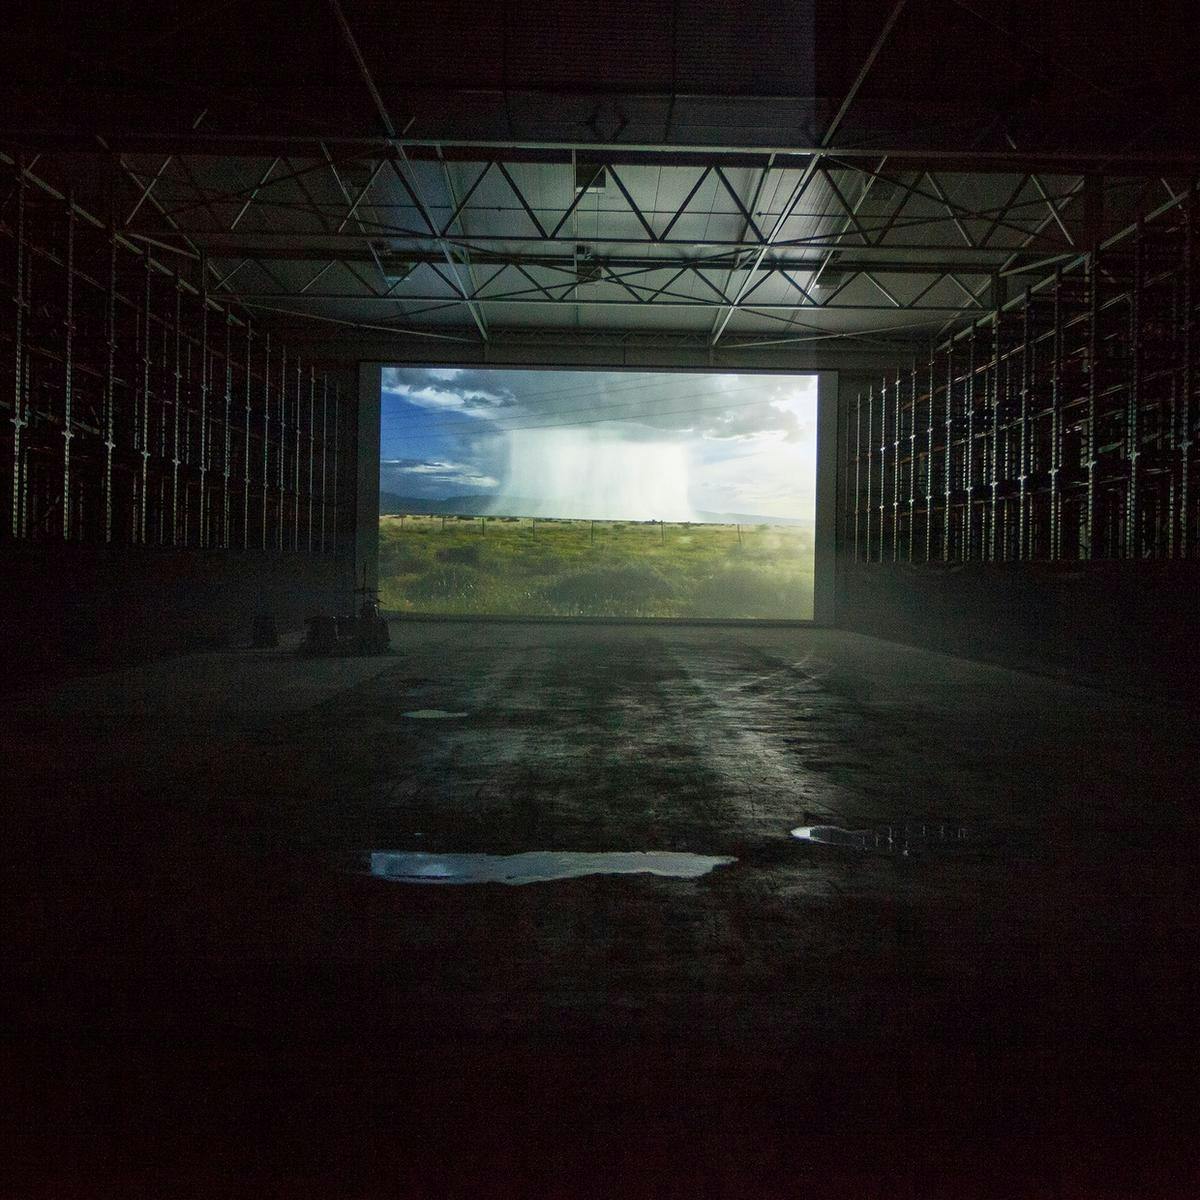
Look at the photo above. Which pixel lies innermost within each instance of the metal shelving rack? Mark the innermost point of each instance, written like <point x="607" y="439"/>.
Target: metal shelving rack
<point x="135" y="409"/>
<point x="1063" y="426"/>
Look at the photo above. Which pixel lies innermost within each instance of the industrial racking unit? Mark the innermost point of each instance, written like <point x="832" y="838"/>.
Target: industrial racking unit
<point x="135" y="409"/>
<point x="1062" y="426"/>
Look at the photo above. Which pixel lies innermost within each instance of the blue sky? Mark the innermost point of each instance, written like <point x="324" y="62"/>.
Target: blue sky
<point x="620" y="445"/>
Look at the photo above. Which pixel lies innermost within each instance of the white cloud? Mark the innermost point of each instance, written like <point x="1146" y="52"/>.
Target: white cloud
<point x="471" y="401"/>
<point x="436" y="471"/>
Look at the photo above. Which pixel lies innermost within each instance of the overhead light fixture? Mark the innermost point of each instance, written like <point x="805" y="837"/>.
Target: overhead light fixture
<point x="829" y="281"/>
<point x="397" y="270"/>
<point x="590" y="177"/>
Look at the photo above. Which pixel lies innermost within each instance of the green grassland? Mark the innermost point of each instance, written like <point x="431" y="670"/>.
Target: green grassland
<point x="518" y="567"/>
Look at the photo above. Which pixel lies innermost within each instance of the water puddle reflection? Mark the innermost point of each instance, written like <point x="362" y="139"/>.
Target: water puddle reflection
<point x="538" y="866"/>
<point x="904" y="840"/>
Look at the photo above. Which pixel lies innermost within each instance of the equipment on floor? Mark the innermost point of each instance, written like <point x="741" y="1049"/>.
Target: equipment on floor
<point x="371" y="634"/>
<point x="362" y="632"/>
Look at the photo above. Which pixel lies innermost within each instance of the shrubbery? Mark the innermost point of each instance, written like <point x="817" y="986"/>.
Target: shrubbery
<point x="748" y="591"/>
<point x="583" y="568"/>
<point x="609" y="590"/>
<point x="447" y="581"/>
<point x="464" y="555"/>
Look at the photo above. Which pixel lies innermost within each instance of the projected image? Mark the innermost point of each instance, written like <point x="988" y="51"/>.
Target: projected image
<point x="591" y="493"/>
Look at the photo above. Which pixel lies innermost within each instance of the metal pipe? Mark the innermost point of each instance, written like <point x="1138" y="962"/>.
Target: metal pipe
<point x="949" y="454"/>
<point x="1185" y="542"/>
<point x="68" y="495"/>
<point x="857" y="473"/>
<point x="337" y="437"/>
<point x="110" y="397"/>
<point x="246" y="441"/>
<point x="870" y="462"/>
<point x="896" y="468"/>
<point x="929" y="460"/>
<point x="141" y="431"/>
<point x="1133" y="496"/>
<point x="175" y="460"/>
<point x="20" y="357"/>
<point x="282" y="445"/>
<point x="912" y="464"/>
<point x="968" y="550"/>
<point x="993" y="548"/>
<point x="296" y="468"/>
<point x="226" y="464"/>
<point x="312" y="400"/>
<point x="1056" y="423"/>
<point x="204" y="389"/>
<point x="1090" y="524"/>
<point x="266" y="448"/>
<point x="883" y="442"/>
<point x="324" y="450"/>
<point x="1023" y="442"/>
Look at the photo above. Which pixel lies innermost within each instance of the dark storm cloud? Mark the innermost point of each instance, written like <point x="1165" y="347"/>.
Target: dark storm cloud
<point x="643" y="407"/>
<point x="751" y="422"/>
<point x="722" y="407"/>
<point x="450" y="389"/>
<point x="646" y="407"/>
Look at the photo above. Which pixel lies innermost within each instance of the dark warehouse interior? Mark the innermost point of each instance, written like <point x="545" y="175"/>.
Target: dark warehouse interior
<point x="310" y="897"/>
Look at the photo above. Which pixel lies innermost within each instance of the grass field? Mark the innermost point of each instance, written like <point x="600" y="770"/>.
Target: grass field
<point x="519" y="567"/>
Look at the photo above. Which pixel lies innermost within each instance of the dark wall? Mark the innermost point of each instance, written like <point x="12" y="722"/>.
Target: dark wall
<point x="1126" y="625"/>
<point x="76" y="608"/>
<point x="73" y="609"/>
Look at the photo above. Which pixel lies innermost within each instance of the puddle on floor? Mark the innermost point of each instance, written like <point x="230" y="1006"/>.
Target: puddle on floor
<point x="914" y="837"/>
<point x="539" y="866"/>
<point x="433" y="714"/>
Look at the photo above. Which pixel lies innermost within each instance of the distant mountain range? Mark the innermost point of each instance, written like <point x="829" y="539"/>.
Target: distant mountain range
<point x="391" y="504"/>
<point x="451" y="506"/>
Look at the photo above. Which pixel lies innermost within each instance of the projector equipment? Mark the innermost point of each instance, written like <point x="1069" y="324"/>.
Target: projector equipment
<point x="371" y="633"/>
<point x="362" y="632"/>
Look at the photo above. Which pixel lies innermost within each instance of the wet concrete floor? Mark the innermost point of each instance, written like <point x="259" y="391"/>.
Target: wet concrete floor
<point x="208" y="998"/>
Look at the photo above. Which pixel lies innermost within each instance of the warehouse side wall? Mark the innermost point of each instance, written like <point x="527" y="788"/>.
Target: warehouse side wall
<point x="168" y="467"/>
<point x="1027" y="493"/>
<point x="1116" y="625"/>
<point x="72" y="609"/>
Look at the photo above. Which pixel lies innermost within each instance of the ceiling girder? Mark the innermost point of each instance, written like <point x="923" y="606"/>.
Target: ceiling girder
<point x="917" y="159"/>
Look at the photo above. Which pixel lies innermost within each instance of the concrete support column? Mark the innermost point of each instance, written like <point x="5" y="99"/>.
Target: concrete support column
<point x="366" y="475"/>
<point x="825" y="534"/>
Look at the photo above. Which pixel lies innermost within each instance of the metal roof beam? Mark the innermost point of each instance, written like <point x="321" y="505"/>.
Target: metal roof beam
<point x="983" y="263"/>
<point x="719" y="302"/>
<point x="915" y="158"/>
<point x="814" y="161"/>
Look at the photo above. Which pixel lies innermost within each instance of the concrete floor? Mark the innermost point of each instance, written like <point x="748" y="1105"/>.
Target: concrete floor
<point x="211" y="998"/>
